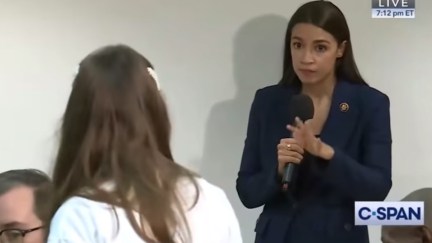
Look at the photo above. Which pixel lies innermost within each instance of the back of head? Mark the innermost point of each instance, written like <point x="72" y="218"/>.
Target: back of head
<point x="116" y="129"/>
<point x="32" y="178"/>
<point x="395" y="234"/>
<point x="327" y="16"/>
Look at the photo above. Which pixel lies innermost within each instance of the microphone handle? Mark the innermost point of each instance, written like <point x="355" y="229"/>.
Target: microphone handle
<point x="288" y="173"/>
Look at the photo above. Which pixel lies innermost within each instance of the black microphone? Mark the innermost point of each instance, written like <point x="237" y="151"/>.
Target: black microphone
<point x="300" y="106"/>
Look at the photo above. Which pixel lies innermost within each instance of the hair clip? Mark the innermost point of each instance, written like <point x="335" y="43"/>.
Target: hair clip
<point x="77" y="70"/>
<point x="154" y="76"/>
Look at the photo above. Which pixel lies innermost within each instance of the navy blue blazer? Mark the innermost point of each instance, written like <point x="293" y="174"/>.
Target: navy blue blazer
<point x="320" y="208"/>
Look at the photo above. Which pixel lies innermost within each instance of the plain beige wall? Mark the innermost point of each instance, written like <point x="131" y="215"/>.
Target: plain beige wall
<point x="211" y="57"/>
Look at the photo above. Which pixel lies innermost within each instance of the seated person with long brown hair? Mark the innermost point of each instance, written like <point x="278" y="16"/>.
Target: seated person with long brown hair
<point x="115" y="177"/>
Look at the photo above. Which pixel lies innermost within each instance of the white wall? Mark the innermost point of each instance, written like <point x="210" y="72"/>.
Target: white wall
<point x="211" y="57"/>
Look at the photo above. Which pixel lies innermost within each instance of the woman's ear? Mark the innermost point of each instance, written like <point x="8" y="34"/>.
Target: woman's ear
<point x="427" y="234"/>
<point x="341" y="49"/>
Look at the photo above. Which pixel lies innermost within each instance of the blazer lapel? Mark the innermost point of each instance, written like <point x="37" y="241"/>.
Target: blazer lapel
<point x="341" y="121"/>
<point x="343" y="115"/>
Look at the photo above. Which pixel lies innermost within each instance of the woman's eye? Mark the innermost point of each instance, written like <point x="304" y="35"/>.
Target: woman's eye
<point x="296" y="45"/>
<point x="321" y="48"/>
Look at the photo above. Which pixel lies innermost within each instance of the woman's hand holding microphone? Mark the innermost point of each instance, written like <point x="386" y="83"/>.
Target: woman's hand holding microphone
<point x="289" y="151"/>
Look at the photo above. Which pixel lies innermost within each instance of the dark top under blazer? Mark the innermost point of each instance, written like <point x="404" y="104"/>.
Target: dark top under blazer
<point x="359" y="171"/>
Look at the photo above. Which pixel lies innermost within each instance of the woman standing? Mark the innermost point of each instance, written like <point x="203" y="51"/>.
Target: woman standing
<point x="343" y="153"/>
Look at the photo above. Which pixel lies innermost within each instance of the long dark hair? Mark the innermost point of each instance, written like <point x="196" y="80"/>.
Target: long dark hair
<point x="116" y="129"/>
<point x="330" y="18"/>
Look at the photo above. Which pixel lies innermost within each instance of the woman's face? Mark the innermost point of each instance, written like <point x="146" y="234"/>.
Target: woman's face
<point x="314" y="53"/>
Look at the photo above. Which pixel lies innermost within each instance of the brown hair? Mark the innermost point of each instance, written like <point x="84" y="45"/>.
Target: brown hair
<point x="35" y="179"/>
<point x="116" y="129"/>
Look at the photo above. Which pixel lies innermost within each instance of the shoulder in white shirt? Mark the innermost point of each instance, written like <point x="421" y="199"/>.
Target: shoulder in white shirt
<point x="79" y="220"/>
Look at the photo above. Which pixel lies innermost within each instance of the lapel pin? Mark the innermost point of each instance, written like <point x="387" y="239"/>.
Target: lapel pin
<point x="344" y="107"/>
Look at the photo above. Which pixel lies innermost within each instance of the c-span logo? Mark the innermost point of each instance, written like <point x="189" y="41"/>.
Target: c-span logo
<point x="389" y="213"/>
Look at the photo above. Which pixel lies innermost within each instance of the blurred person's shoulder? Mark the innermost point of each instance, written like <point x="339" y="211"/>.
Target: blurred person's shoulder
<point x="211" y="216"/>
<point x="208" y="193"/>
<point x="80" y="220"/>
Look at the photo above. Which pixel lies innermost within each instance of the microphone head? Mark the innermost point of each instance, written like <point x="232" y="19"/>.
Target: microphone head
<point x="301" y="106"/>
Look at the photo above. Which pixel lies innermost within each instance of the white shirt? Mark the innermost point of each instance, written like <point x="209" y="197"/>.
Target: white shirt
<point x="81" y="220"/>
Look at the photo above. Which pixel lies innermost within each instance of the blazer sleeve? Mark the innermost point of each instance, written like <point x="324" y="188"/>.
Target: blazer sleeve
<point x="369" y="180"/>
<point x="256" y="184"/>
